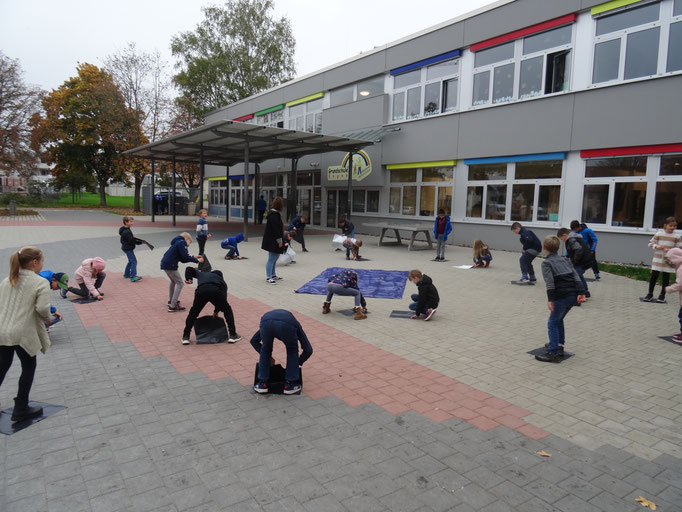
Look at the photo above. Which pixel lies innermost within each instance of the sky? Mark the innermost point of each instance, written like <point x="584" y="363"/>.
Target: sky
<point x="50" y="37"/>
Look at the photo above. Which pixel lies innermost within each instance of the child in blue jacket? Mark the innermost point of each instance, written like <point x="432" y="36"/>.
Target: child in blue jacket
<point x="531" y="248"/>
<point x="58" y="281"/>
<point x="591" y="240"/>
<point x="441" y="229"/>
<point x="169" y="263"/>
<point x="230" y="243"/>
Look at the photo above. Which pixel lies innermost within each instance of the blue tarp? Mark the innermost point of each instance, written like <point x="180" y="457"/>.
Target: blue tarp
<point x="380" y="284"/>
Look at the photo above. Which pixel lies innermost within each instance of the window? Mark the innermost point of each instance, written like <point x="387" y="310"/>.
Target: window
<point x="668" y="200"/>
<point x="426" y="91"/>
<point x="524" y="191"/>
<point x="628" y="43"/>
<point x="365" y="201"/>
<point x="615" y="191"/>
<point x="543" y="60"/>
<point x="420" y="191"/>
<point x="274" y="119"/>
<point x="366" y="89"/>
<point x="217" y="192"/>
<point x="306" y="116"/>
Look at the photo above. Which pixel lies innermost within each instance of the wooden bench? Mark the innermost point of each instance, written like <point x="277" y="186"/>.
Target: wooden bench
<point x="414" y="230"/>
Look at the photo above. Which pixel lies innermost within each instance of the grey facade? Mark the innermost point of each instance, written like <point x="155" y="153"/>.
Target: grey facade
<point x="611" y="147"/>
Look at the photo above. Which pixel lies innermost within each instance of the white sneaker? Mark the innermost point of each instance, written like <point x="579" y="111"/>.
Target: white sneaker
<point x="234" y="338"/>
<point x="185" y="341"/>
<point x="429" y="314"/>
<point x="271" y="281"/>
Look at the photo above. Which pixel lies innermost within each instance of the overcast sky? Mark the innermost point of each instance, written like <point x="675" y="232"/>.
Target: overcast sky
<point x="49" y="37"/>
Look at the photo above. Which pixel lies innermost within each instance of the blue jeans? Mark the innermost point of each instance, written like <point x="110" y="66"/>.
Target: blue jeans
<point x="271" y="264"/>
<point x="231" y="249"/>
<point x="526" y="261"/>
<point x="555" y="323"/>
<point x="415" y="301"/>
<point x="351" y="235"/>
<point x="679" y="317"/>
<point x="131" y="267"/>
<point x="581" y="274"/>
<point x="269" y="329"/>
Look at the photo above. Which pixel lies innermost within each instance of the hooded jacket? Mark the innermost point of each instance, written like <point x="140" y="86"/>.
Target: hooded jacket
<point x="176" y="253"/>
<point x="213" y="278"/>
<point x="274" y="233"/>
<point x="83" y="274"/>
<point x="428" y="295"/>
<point x="448" y="227"/>
<point x="233" y="241"/>
<point x="560" y="278"/>
<point x="529" y="241"/>
<point x="128" y="241"/>
<point x="297" y="223"/>
<point x="675" y="256"/>
<point x="589" y="237"/>
<point x="578" y="251"/>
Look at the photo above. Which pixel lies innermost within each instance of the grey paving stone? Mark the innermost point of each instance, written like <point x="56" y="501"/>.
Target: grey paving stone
<point x="475" y="496"/>
<point x="326" y="503"/>
<point x="572" y="503"/>
<point x="607" y="502"/>
<point x="79" y="502"/>
<point x="68" y="485"/>
<point x="511" y="494"/>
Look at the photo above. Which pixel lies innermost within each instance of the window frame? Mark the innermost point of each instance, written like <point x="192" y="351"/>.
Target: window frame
<point x="366" y="192"/>
<point x="418" y="184"/>
<point x="303" y="117"/>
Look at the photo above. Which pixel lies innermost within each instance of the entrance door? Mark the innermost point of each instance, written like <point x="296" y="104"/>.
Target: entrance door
<point x="337" y="205"/>
<point x="303" y="206"/>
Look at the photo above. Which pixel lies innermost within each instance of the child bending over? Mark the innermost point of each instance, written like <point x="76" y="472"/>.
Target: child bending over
<point x="482" y="256"/>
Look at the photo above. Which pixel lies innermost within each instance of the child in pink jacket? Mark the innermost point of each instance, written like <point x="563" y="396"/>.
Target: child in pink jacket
<point x="89" y="277"/>
<point x="674" y="255"/>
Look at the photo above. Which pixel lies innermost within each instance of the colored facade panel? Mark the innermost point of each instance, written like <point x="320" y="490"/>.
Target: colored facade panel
<point x="540" y="27"/>
<point x="516" y="158"/>
<point x="416" y="165"/>
<point x="426" y="62"/>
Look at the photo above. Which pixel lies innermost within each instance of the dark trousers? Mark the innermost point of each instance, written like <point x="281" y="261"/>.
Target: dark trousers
<point x="271" y="329"/>
<point x="654" y="278"/>
<point x="83" y="290"/>
<point x="202" y="296"/>
<point x="28" y="370"/>
<point x="595" y="264"/>
<point x="202" y="244"/>
<point x="679" y="317"/>
<point x="526" y="262"/>
<point x="259" y="217"/>
<point x="299" y="238"/>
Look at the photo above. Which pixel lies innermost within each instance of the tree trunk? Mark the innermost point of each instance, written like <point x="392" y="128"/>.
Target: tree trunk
<point x="102" y="192"/>
<point x="138" y="187"/>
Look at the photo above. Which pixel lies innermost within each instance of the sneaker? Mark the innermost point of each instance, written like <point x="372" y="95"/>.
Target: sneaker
<point x="291" y="388"/>
<point x="532" y="279"/>
<point x="126" y="277"/>
<point x="62" y="292"/>
<point x="261" y="387"/>
<point x="678" y="338"/>
<point x="559" y="349"/>
<point x="429" y="313"/>
<point x="596" y="276"/>
<point x="524" y="279"/>
<point x="347" y="257"/>
<point x="177" y="307"/>
<point x="185" y="340"/>
<point x="487" y="264"/>
<point x="277" y="278"/>
<point x="661" y="300"/>
<point x="588" y="295"/>
<point x="548" y="358"/>
<point x="271" y="281"/>
<point x="648" y="298"/>
<point x="178" y="303"/>
<point x="234" y="338"/>
<point x="306" y="250"/>
<point x="135" y="279"/>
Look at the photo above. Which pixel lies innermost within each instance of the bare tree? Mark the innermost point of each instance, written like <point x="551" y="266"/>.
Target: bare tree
<point x="18" y="102"/>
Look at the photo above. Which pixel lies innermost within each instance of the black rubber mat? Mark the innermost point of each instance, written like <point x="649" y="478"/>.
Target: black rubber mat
<point x="543" y="350"/>
<point x="525" y="283"/>
<point x="671" y="340"/>
<point x="641" y="299"/>
<point x="401" y="314"/>
<point x="8" y="427"/>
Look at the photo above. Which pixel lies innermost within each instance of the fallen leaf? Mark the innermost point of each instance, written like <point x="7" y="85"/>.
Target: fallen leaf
<point x="646" y="503"/>
<point x="543" y="453"/>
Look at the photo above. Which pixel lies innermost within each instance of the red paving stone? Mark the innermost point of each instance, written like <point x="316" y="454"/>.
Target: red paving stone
<point x="341" y="365"/>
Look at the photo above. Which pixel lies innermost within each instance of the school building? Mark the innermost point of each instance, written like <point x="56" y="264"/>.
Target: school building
<point x="537" y="111"/>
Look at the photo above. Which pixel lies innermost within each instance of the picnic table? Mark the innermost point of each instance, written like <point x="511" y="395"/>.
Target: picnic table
<point x="413" y="230"/>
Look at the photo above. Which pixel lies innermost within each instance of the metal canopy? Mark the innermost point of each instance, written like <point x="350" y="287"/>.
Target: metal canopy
<point x="224" y="142"/>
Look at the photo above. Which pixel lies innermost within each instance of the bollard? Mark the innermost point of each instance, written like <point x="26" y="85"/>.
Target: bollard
<point x="13" y="209"/>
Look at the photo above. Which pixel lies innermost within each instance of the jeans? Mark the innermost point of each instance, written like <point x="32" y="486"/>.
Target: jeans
<point x="415" y="301"/>
<point x="28" y="370"/>
<point x="581" y="274"/>
<point x="83" y="291"/>
<point x="595" y="264"/>
<point x="271" y="264"/>
<point x="231" y="249"/>
<point x="271" y="329"/>
<point x="131" y="267"/>
<point x="679" y="317"/>
<point x="555" y="323"/>
<point x="202" y="243"/>
<point x="338" y="289"/>
<point x="440" y="246"/>
<point x="350" y="235"/>
<point x="526" y="261"/>
<point x="176" y="284"/>
<point x="202" y="296"/>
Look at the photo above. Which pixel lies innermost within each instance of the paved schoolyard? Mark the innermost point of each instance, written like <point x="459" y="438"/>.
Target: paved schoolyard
<point x="396" y="414"/>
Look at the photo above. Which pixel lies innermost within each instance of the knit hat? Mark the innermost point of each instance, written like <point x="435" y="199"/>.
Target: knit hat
<point x="61" y="279"/>
<point x="98" y="263"/>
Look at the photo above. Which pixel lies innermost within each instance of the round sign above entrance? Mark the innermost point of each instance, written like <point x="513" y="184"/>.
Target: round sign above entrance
<point x="361" y="168"/>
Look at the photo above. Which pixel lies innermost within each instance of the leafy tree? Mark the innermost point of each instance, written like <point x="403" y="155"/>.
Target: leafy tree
<point x="237" y="51"/>
<point x="184" y="119"/>
<point x="18" y="102"/>
<point x="85" y="128"/>
<point x="144" y="84"/>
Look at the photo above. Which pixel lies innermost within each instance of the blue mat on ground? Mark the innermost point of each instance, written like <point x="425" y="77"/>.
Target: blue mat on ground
<point x="377" y="284"/>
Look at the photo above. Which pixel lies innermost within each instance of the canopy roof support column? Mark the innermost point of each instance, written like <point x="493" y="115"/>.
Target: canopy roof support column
<point x="153" y="195"/>
<point x="291" y="209"/>
<point x="245" y="191"/>
<point x="256" y="192"/>
<point x="227" y="193"/>
<point x="172" y="199"/>
<point x="350" y="182"/>
<point x="202" y="172"/>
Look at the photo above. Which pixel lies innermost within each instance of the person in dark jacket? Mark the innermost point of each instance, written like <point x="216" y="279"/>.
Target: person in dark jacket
<point x="261" y="206"/>
<point x="564" y="290"/>
<point x="426" y="301"/>
<point x="590" y="238"/>
<point x="347" y="229"/>
<point x="295" y="229"/>
<point x="128" y="243"/>
<point x="531" y="248"/>
<point x="273" y="239"/>
<point x="441" y="229"/>
<point x="211" y="287"/>
<point x="175" y="254"/>
<point x="230" y="244"/>
<point x="346" y="283"/>
<point x="578" y="252"/>
<point x="280" y="324"/>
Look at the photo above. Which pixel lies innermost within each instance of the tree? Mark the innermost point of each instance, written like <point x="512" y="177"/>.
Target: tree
<point x="85" y="128"/>
<point x="144" y="84"/>
<point x="18" y="102"/>
<point x="184" y="119"/>
<point x="237" y="51"/>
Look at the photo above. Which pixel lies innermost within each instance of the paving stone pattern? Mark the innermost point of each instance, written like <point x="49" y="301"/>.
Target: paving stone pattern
<point x="396" y="414"/>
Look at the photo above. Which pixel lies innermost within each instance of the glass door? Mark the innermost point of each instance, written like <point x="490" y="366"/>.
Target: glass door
<point x="303" y="206"/>
<point x="331" y="209"/>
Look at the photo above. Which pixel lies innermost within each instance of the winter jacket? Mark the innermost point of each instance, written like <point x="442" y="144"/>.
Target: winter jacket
<point x="529" y="241"/>
<point x="346" y="278"/>
<point x="428" y="295"/>
<point x="83" y="274"/>
<point x="47" y="274"/>
<point x="484" y="256"/>
<point x="448" y="227"/>
<point x="274" y="233"/>
<point x="202" y="229"/>
<point x="589" y="237"/>
<point x="213" y="278"/>
<point x="348" y="228"/>
<point x="233" y="241"/>
<point x="560" y="278"/>
<point x="128" y="241"/>
<point x="675" y="257"/>
<point x="296" y="223"/>
<point x="176" y="253"/>
<point x="667" y="240"/>
<point x="578" y="251"/>
<point x="24" y="309"/>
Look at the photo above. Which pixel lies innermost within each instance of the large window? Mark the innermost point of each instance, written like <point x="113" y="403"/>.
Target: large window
<point x="543" y="61"/>
<point x="365" y="201"/>
<point x="421" y="191"/>
<point x="426" y="91"/>
<point x="639" y="42"/>
<point x="517" y="191"/>
<point x="366" y="89"/>
<point x="668" y="201"/>
<point x="274" y="119"/>
<point x="306" y="116"/>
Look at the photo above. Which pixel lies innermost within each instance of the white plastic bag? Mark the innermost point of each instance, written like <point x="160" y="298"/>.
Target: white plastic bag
<point x="287" y="257"/>
<point x="339" y="239"/>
